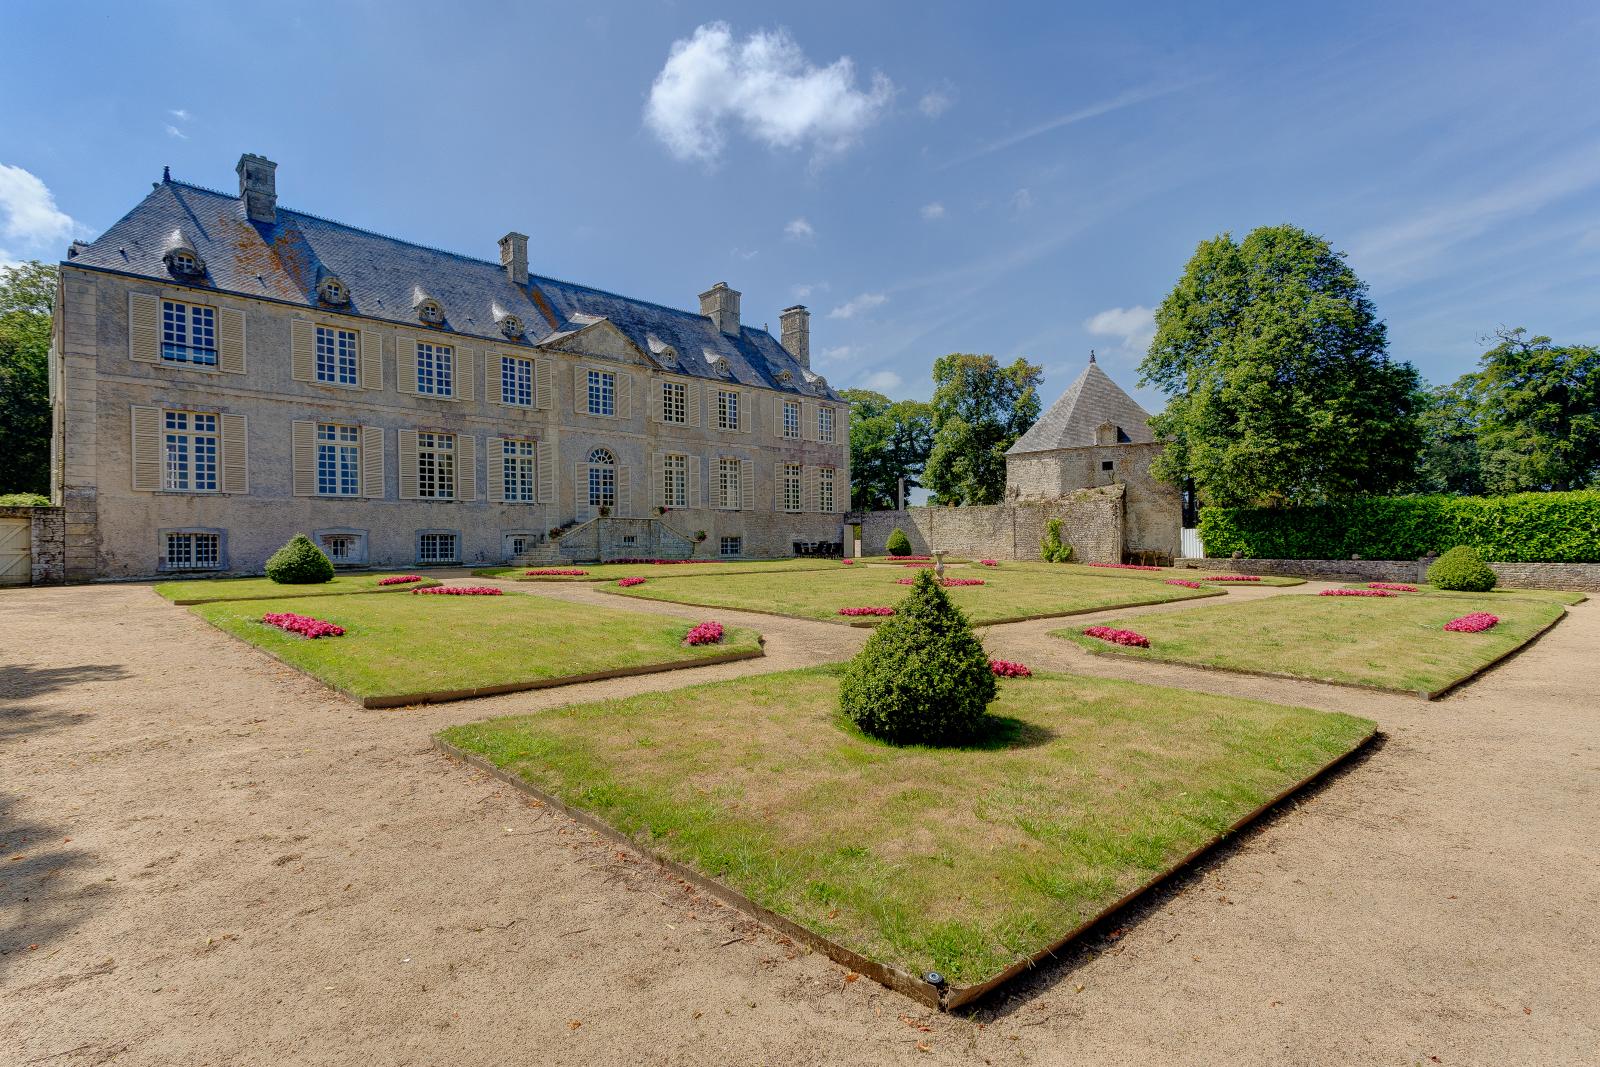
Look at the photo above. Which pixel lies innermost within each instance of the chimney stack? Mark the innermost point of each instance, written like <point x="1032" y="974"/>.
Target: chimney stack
<point x="794" y="326"/>
<point x="514" y="257"/>
<point x="721" y="305"/>
<point x="258" y="187"/>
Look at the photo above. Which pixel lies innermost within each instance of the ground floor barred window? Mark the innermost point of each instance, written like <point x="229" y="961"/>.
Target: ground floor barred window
<point x="438" y="548"/>
<point x="194" y="551"/>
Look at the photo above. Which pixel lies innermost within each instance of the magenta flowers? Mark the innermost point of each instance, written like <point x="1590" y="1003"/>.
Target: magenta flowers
<point x="1475" y="623"/>
<point x="459" y="590"/>
<point x="1355" y="592"/>
<point x="1393" y="587"/>
<point x="1125" y="566"/>
<point x="848" y="562"/>
<point x="626" y="582"/>
<point x="1186" y="583"/>
<point x="866" y="611"/>
<point x="304" y="625"/>
<point x="1234" y="578"/>
<point x="948" y="583"/>
<point x="989" y="562"/>
<point x="706" y="633"/>
<point x="553" y="572"/>
<point x="1118" y="637"/>
<point x="400" y="579"/>
<point x="1005" y="668"/>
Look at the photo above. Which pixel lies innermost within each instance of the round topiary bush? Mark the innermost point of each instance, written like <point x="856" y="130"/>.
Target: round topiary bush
<point x="898" y="544"/>
<point x="300" y="562"/>
<point x="923" y="676"/>
<point x="1462" y="569"/>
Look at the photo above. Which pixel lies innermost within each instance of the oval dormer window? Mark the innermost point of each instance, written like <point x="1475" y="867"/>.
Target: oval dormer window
<point x="183" y="261"/>
<point x="511" y="326"/>
<point x="430" y="311"/>
<point x="333" y="291"/>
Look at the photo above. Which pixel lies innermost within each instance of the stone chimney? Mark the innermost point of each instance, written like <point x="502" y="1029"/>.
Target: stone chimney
<point x="721" y="305"/>
<point x="514" y="257"/>
<point x="794" y="325"/>
<point x="258" y="187"/>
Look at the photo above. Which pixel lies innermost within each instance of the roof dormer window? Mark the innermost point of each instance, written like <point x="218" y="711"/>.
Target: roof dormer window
<point x="511" y="326"/>
<point x="184" y="262"/>
<point x="430" y="311"/>
<point x="332" y="291"/>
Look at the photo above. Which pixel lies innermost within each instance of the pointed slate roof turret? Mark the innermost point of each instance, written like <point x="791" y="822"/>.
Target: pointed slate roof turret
<point x="1090" y="403"/>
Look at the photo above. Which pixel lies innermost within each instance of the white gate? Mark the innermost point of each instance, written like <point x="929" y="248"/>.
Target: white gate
<point x="16" y="551"/>
<point x="1190" y="546"/>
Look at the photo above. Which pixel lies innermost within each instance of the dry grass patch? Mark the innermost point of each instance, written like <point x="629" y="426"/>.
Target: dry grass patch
<point x="211" y="590"/>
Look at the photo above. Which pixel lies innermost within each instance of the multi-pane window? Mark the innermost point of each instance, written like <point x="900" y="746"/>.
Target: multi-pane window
<point x="674" y="481"/>
<point x="825" y="489"/>
<point x="435" y="369"/>
<point x="437" y="548"/>
<point x="825" y="425"/>
<point x="338" y="460"/>
<point x="731" y="546"/>
<point x="674" y="402"/>
<point x="518" y="461"/>
<point x="342" y="548"/>
<point x="436" y="465"/>
<point x="191" y="440"/>
<point x="188" y="333"/>
<point x="336" y="355"/>
<point x="602" y="479"/>
<point x="728" y="494"/>
<point x="727" y="409"/>
<point x="516" y="381"/>
<point x="791" y="419"/>
<point x="194" y="551"/>
<point x="602" y="393"/>
<point x="791" y="486"/>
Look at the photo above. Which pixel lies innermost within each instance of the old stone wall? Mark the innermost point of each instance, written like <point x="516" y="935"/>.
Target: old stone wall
<point x="1152" y="510"/>
<point x="48" y="537"/>
<point x="1581" y="577"/>
<point x="1091" y="523"/>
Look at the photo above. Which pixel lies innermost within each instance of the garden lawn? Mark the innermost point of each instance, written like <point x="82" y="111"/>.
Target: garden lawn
<point x="1554" y="596"/>
<point x="1005" y="594"/>
<point x="209" y="590"/>
<point x="1160" y="575"/>
<point x="397" y="646"/>
<point x="1389" y="642"/>
<point x="601" y="572"/>
<point x="961" y="860"/>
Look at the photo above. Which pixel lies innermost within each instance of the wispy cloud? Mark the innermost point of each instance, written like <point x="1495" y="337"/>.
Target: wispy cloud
<point x="936" y="102"/>
<point x="173" y="131"/>
<point x="1021" y="200"/>
<point x="884" y="381"/>
<point x="799" y="230"/>
<point x="745" y="254"/>
<point x="181" y="114"/>
<point x="1082" y="114"/>
<point x="863" y="303"/>
<point x="30" y="221"/>
<point x="836" y="354"/>
<point x="763" y="85"/>
<point x="933" y="211"/>
<point x="804" y="290"/>
<point x="1134" y="327"/>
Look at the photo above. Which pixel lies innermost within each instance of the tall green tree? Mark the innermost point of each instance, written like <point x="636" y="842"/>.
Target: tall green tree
<point x="1448" y="419"/>
<point x="980" y="408"/>
<point x="1280" y="389"/>
<point x="1538" y="414"/>
<point x="27" y="294"/>
<point x="889" y="440"/>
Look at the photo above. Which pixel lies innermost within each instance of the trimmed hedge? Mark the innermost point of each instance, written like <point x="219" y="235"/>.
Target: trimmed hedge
<point x="1521" y="528"/>
<point x="1462" y="570"/>
<point x="300" y="562"/>
<point x="898" y="544"/>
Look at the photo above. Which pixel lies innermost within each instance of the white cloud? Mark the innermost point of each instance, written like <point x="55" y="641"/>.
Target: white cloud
<point x="1021" y="200"/>
<point x="935" y="102"/>
<point x="934" y="210"/>
<point x="799" y="230"/>
<point x="740" y="253"/>
<point x="884" y="381"/>
<point x="764" y="85"/>
<point x="836" y="354"/>
<point x="29" y="216"/>
<point x="1135" y="327"/>
<point x="180" y="114"/>
<point x="173" y="131"/>
<point x="862" y="303"/>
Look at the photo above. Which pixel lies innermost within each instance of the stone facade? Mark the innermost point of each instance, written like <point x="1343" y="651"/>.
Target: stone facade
<point x="1579" y="577"/>
<point x="1091" y="523"/>
<point x="1152" y="509"/>
<point x="48" y="538"/>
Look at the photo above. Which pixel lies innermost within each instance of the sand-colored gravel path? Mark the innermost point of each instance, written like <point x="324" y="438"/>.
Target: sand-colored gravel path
<point x="206" y="858"/>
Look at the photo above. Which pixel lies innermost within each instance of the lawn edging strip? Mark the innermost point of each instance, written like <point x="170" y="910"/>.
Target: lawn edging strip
<point x="424" y="584"/>
<point x="943" y="997"/>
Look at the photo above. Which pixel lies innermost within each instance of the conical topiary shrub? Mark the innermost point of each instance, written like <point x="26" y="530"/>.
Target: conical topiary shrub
<point x="923" y="677"/>
<point x="898" y="544"/>
<point x="1462" y="569"/>
<point x="300" y="562"/>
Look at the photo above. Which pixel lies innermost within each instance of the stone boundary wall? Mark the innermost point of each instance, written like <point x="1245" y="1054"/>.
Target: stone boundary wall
<point x="1578" y="577"/>
<point x="1091" y="523"/>
<point x="49" y="537"/>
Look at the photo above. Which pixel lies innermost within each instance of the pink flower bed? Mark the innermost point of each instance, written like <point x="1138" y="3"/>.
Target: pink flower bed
<point x="1186" y="583"/>
<point x="918" y="566"/>
<point x="706" y="633"/>
<point x="1234" y="578"/>
<point x="1393" y="587"/>
<point x="1007" y="669"/>
<point x="459" y="590"/>
<point x="848" y="562"/>
<point x="1355" y="592"/>
<point x="989" y="562"/>
<point x="664" y="562"/>
<point x="553" y="572"/>
<point x="1125" y="566"/>
<point x="866" y="611"/>
<point x="400" y="579"/>
<point x="1118" y="637"/>
<point x="903" y="559"/>
<point x="304" y="625"/>
<point x="948" y="583"/>
<point x="1475" y="623"/>
<point x="626" y="582"/>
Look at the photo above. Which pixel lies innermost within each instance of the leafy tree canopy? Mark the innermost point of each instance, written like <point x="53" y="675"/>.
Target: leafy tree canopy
<point x="889" y="440"/>
<point x="1538" y="414"/>
<point x="1448" y="419"/>
<point x="27" y="294"/>
<point x="980" y="408"/>
<point x="1279" y="384"/>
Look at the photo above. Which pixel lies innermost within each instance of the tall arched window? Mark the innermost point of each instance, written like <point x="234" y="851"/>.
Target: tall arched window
<point x="602" y="479"/>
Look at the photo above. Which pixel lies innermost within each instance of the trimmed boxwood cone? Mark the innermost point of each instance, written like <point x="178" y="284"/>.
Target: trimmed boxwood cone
<point x="1462" y="569"/>
<point x="923" y="676"/>
<point x="300" y="562"/>
<point x="898" y="544"/>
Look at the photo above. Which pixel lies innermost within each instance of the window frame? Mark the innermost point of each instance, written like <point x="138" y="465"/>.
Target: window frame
<point x="827" y="482"/>
<point x="601" y="388"/>
<point x="730" y="472"/>
<point x="675" y="480"/>
<point x="736" y="541"/>
<point x="675" y="395"/>
<point x="792" y="487"/>
<point x="435" y="560"/>
<point x="220" y="544"/>
<point x="791" y="407"/>
<point x="344" y="443"/>
<point x="511" y="374"/>
<point x="728" y="410"/>
<point x="337" y="356"/>
<point x="602" y="479"/>
<point x="441" y="383"/>
<point x="190" y="439"/>
<point x="826" y="417"/>
<point x="436" y="445"/>
<point x="188" y="349"/>
<point x="519" y="467"/>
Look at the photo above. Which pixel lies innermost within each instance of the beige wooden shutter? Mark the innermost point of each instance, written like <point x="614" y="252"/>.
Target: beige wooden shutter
<point x="235" y="454"/>
<point x="808" y="489"/>
<point x="144" y="328"/>
<point x="655" y="399"/>
<point x="408" y="463"/>
<point x="580" y="489"/>
<point x="405" y="371"/>
<point x="303" y="350"/>
<point x="747" y="485"/>
<point x="496" y="459"/>
<point x="466" y="467"/>
<point x="747" y="411"/>
<point x="808" y="421"/>
<point x="303" y="446"/>
<point x="580" y="390"/>
<point x="466" y="367"/>
<point x="371" y="360"/>
<point x="546" y="488"/>
<point x="230" y="341"/>
<point x="625" y="506"/>
<point x="777" y="486"/>
<point x="493" y="376"/>
<point x="693" y="403"/>
<point x="658" y="480"/>
<point x="695" y="499"/>
<point x="624" y="395"/>
<point x="372" y="460"/>
<point x="543" y="386"/>
<point x="146" y="449"/>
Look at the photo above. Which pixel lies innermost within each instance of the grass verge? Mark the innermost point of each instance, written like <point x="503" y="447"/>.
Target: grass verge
<point x="1159" y="575"/>
<point x="602" y="572"/>
<point x="212" y="590"/>
<point x="1554" y="596"/>
<point x="961" y="860"/>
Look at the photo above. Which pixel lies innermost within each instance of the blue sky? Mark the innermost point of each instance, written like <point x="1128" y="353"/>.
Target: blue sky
<point x="933" y="177"/>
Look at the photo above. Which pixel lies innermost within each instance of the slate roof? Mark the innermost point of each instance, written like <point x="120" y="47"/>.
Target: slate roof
<point x="1090" y="402"/>
<point x="286" y="259"/>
